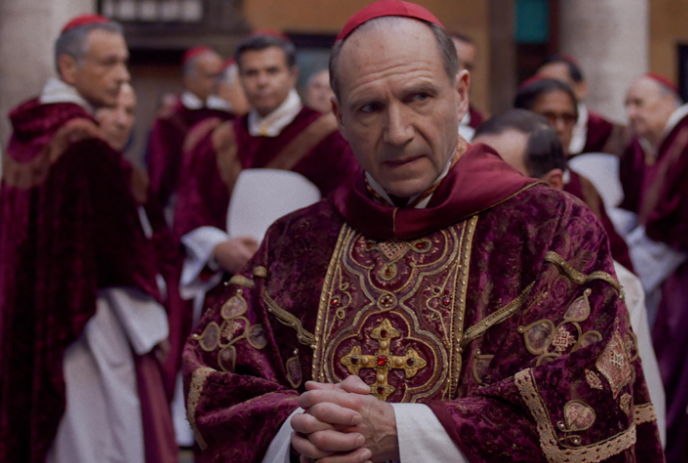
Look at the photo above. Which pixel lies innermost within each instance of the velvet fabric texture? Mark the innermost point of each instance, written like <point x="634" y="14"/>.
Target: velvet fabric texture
<point x="69" y="226"/>
<point x="655" y="189"/>
<point x="583" y="189"/>
<point x="502" y="314"/>
<point x="165" y="146"/>
<point x="204" y="195"/>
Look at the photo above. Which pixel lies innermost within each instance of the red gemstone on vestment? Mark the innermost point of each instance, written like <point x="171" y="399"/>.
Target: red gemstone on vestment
<point x="380" y="389"/>
<point x="381" y="360"/>
<point x="354" y="359"/>
<point x="383" y="333"/>
<point x="446" y="301"/>
<point x="420" y="245"/>
<point x="410" y="362"/>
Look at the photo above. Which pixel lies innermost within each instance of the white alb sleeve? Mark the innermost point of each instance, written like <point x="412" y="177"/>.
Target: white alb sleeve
<point x="422" y="437"/>
<point x="654" y="261"/>
<point x="280" y="447"/>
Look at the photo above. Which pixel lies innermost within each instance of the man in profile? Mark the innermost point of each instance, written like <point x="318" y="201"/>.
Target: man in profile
<point x="81" y="322"/>
<point x="653" y="173"/>
<point x="445" y="307"/>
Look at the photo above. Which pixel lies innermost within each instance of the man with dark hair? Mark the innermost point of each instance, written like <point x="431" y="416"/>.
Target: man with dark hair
<point x="445" y="307"/>
<point x="653" y="173"/>
<point x="201" y="68"/>
<point x="80" y="324"/>
<point x="467" y="52"/>
<point x="592" y="132"/>
<point x="556" y="102"/>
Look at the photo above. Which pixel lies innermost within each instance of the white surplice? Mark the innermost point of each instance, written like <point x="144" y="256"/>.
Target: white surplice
<point x="102" y="420"/>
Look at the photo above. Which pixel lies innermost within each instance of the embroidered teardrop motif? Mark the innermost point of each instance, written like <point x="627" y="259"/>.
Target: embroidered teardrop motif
<point x="234" y="307"/>
<point x="210" y="338"/>
<point x="256" y="337"/>
<point x="578" y="415"/>
<point x="227" y="359"/>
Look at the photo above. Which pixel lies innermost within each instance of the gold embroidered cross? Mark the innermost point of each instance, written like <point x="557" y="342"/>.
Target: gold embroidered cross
<point x="382" y="362"/>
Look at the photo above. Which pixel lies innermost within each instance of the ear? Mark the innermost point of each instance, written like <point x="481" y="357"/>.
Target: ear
<point x="294" y="75"/>
<point x="555" y="179"/>
<point x="462" y="86"/>
<point x="582" y="91"/>
<point x="337" y="111"/>
<point x="67" y="68"/>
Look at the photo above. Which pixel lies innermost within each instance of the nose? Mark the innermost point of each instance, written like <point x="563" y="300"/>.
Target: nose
<point x="262" y="79"/>
<point x="122" y="73"/>
<point x="399" y="130"/>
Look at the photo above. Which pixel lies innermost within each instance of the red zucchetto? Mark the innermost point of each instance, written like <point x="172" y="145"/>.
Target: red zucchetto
<point x="194" y="52"/>
<point x="272" y="33"/>
<point x="663" y="81"/>
<point x="84" y="20"/>
<point x="387" y="8"/>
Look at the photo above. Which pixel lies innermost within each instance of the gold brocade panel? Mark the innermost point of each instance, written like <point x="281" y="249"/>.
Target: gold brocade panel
<point x="393" y="313"/>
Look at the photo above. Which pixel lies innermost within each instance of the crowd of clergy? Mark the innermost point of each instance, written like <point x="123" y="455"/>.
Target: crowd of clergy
<point x="519" y="294"/>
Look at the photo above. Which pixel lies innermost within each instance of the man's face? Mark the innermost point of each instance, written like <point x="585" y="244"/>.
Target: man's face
<point x="511" y="145"/>
<point x="201" y="81"/>
<point x="467" y="53"/>
<point x="319" y="94"/>
<point x="99" y="76"/>
<point x="398" y="108"/>
<point x="116" y="122"/>
<point x="560" y="111"/>
<point x="266" y="78"/>
<point x="560" y="71"/>
<point x="648" y="108"/>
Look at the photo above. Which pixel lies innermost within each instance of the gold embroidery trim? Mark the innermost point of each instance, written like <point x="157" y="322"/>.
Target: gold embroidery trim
<point x="260" y="272"/>
<point x="644" y="413"/>
<point x="241" y="280"/>
<point x="198" y="380"/>
<point x="552" y="449"/>
<point x="324" y="300"/>
<point x="289" y="320"/>
<point x="578" y="277"/>
<point x="497" y="317"/>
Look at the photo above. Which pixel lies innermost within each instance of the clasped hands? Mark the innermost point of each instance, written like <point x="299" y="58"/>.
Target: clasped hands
<point x="343" y="423"/>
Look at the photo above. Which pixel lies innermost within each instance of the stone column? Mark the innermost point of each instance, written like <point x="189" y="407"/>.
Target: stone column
<point x="610" y="39"/>
<point x="28" y="29"/>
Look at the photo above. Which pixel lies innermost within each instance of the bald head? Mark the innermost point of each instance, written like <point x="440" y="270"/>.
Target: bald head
<point x="200" y="73"/>
<point x="443" y="42"/>
<point x="649" y="105"/>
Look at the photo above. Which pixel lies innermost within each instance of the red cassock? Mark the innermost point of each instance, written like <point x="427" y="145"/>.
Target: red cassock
<point x="656" y="189"/>
<point x="583" y="189"/>
<point x="165" y="146"/>
<point x="69" y="226"/>
<point x="477" y="117"/>
<point x="496" y="306"/>
<point x="604" y="136"/>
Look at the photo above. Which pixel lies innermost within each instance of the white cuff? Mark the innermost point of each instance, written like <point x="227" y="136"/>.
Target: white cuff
<point x="144" y="320"/>
<point x="654" y="261"/>
<point x="199" y="246"/>
<point x="280" y="447"/>
<point x="422" y="437"/>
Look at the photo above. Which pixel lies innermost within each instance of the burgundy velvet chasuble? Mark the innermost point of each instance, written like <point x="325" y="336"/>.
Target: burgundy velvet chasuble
<point x="496" y="306"/>
<point x="657" y="190"/>
<point x="165" y="146"/>
<point x="583" y="189"/>
<point x="604" y="136"/>
<point x="68" y="227"/>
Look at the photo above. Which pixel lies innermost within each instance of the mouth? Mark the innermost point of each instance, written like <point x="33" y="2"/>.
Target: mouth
<point x="402" y="162"/>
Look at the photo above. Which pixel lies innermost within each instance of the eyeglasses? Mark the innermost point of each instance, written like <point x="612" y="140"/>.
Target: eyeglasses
<point x="566" y="118"/>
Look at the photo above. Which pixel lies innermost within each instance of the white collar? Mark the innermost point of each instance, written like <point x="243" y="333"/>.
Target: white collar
<point x="580" y="130"/>
<point x="57" y="91"/>
<point x="466" y="118"/>
<point x="191" y="101"/>
<point x="273" y="124"/>
<point x="377" y="188"/>
<point x="215" y="102"/>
